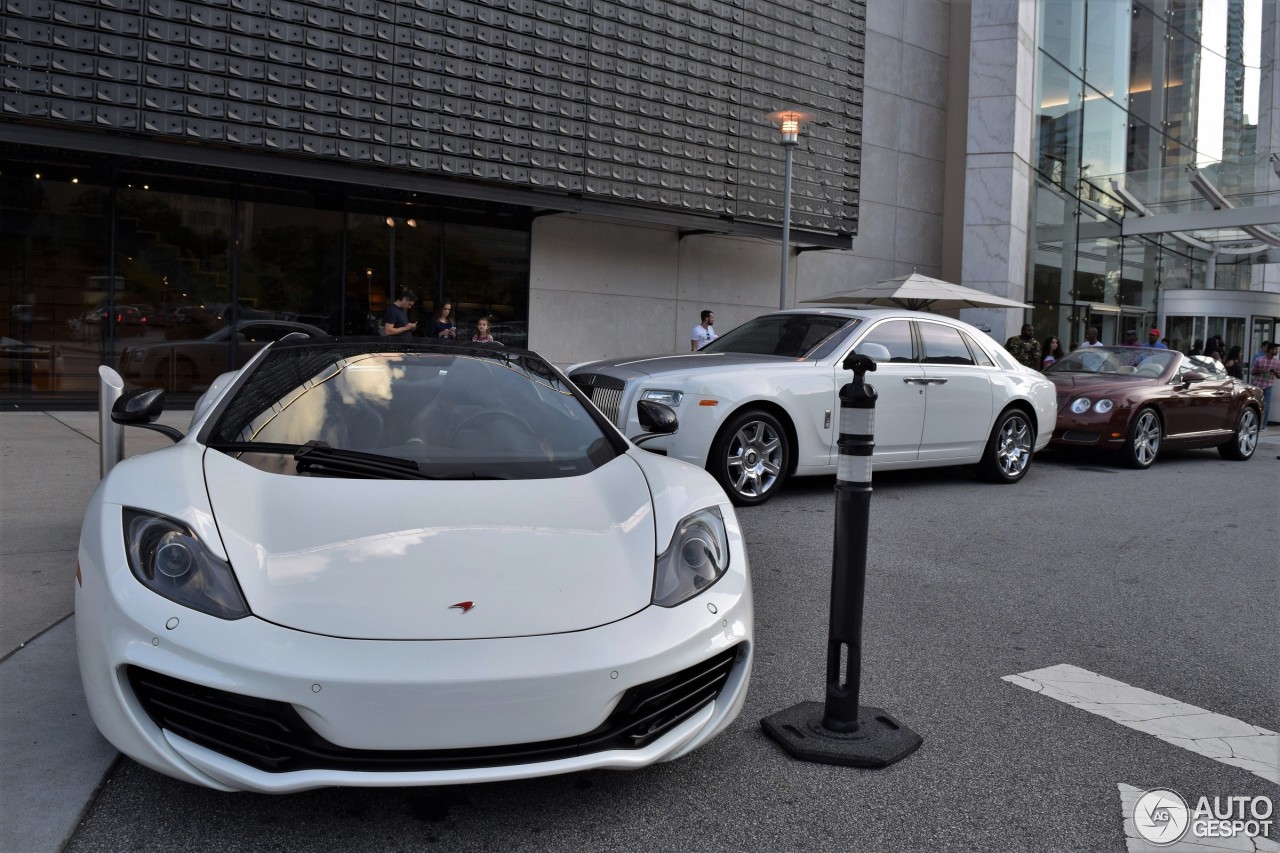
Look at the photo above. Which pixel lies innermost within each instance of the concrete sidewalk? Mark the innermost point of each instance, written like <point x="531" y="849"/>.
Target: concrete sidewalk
<point x="52" y="758"/>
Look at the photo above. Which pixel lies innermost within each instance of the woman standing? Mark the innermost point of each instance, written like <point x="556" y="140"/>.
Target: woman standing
<point x="1051" y="352"/>
<point x="444" y="325"/>
<point x="1233" y="365"/>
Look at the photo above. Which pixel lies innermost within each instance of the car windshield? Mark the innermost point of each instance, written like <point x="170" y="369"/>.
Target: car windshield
<point x="373" y="409"/>
<point x="790" y="335"/>
<point x="1117" y="361"/>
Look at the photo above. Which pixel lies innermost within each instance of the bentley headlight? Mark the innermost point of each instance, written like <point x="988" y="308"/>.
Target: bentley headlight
<point x="697" y="558"/>
<point x="168" y="559"/>
<point x="666" y="398"/>
<point x="1102" y="406"/>
<point x="1081" y="405"/>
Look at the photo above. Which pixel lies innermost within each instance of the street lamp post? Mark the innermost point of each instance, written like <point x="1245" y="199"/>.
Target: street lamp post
<point x="788" y="122"/>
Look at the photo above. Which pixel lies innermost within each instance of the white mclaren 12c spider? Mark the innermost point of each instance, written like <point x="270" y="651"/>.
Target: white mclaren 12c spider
<point x="373" y="563"/>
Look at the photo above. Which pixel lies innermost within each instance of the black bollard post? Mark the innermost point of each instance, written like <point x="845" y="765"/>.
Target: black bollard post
<point x="840" y="731"/>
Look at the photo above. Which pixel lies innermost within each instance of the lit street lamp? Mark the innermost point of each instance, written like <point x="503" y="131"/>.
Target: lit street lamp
<point x="788" y="122"/>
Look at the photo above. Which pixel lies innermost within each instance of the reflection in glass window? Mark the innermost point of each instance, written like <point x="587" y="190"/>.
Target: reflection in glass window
<point x="944" y="345"/>
<point x="979" y="354"/>
<point x="1106" y="61"/>
<point x="443" y="414"/>
<point x="54" y="296"/>
<point x="290" y="261"/>
<point x="1062" y="31"/>
<point x="789" y="335"/>
<point x="893" y="335"/>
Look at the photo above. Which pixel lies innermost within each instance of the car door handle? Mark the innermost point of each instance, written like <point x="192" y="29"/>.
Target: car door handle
<point x="913" y="380"/>
<point x="936" y="381"/>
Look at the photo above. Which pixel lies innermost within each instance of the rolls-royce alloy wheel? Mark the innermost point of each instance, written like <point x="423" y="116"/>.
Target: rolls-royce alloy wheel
<point x="751" y="457"/>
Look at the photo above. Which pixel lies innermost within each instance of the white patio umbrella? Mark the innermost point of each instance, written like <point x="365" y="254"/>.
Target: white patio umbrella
<point x="917" y="292"/>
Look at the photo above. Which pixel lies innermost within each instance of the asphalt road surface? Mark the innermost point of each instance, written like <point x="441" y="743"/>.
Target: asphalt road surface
<point x="1163" y="579"/>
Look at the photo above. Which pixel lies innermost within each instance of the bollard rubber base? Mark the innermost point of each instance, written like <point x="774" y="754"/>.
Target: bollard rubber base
<point x="879" y="741"/>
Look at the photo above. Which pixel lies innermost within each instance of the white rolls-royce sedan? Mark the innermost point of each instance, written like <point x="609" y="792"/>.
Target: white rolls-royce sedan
<point x="761" y="402"/>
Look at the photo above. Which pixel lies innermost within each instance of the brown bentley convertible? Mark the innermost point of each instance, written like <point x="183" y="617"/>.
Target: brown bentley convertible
<point x="1139" y="401"/>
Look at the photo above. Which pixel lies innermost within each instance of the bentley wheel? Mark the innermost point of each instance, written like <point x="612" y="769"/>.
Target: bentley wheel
<point x="1245" y="439"/>
<point x="1009" y="449"/>
<point x="751" y="457"/>
<point x="1143" y="444"/>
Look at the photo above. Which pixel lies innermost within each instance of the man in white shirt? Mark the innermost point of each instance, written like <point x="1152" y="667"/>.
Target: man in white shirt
<point x="703" y="333"/>
<point x="1091" y="337"/>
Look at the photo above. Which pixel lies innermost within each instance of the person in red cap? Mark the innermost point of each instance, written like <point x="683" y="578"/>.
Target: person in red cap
<point x="1153" y="340"/>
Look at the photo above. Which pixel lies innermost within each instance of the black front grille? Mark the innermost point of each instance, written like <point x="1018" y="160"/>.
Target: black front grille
<point x="272" y="736"/>
<point x="1080" y="436"/>
<point x="604" y="391"/>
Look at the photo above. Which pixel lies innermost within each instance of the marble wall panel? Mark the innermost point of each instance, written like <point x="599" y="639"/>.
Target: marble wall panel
<point x="885" y="18"/>
<point x="920" y="183"/>
<point x="882" y="68"/>
<point x="922" y="130"/>
<point x="918" y="235"/>
<point x="604" y="326"/>
<point x="993" y="69"/>
<point x="880" y="120"/>
<point x="877" y="231"/>
<point x="879" y="175"/>
<point x="924" y="76"/>
<point x="577" y="255"/>
<point x="926" y="24"/>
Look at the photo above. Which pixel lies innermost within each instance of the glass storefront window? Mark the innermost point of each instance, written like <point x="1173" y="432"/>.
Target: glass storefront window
<point x="1058" y="124"/>
<point x="290" y="262"/>
<point x="1106" y="63"/>
<point x="174" y="255"/>
<point x="486" y="273"/>
<point x="205" y="273"/>
<point x="1184" y="332"/>
<point x="1103" y="142"/>
<point x="1062" y="32"/>
<point x="54" y="293"/>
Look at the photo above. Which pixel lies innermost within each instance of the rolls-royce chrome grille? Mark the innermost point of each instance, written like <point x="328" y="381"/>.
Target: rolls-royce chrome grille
<point x="604" y="391"/>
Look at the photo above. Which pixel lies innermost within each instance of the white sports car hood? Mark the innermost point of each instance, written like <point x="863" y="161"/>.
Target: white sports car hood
<point x="397" y="560"/>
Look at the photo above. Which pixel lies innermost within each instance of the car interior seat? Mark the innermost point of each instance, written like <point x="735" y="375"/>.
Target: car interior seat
<point x="1150" y="368"/>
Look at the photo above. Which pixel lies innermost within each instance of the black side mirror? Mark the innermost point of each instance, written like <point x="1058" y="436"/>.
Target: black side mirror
<point x="1192" y="376"/>
<point x="656" y="419"/>
<point x="142" y="409"/>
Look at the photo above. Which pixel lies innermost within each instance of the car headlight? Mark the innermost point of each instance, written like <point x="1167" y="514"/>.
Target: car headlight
<point x="697" y="558"/>
<point x="168" y="559"/>
<point x="1102" y="406"/>
<point x="666" y="398"/>
<point x="1081" y="405"/>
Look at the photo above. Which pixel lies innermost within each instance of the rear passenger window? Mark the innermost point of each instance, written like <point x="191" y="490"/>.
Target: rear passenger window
<point x="893" y="335"/>
<point x="943" y="345"/>
<point x="979" y="354"/>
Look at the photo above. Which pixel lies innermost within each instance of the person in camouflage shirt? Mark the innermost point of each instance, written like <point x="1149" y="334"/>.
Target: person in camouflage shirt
<point x="1025" y="348"/>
